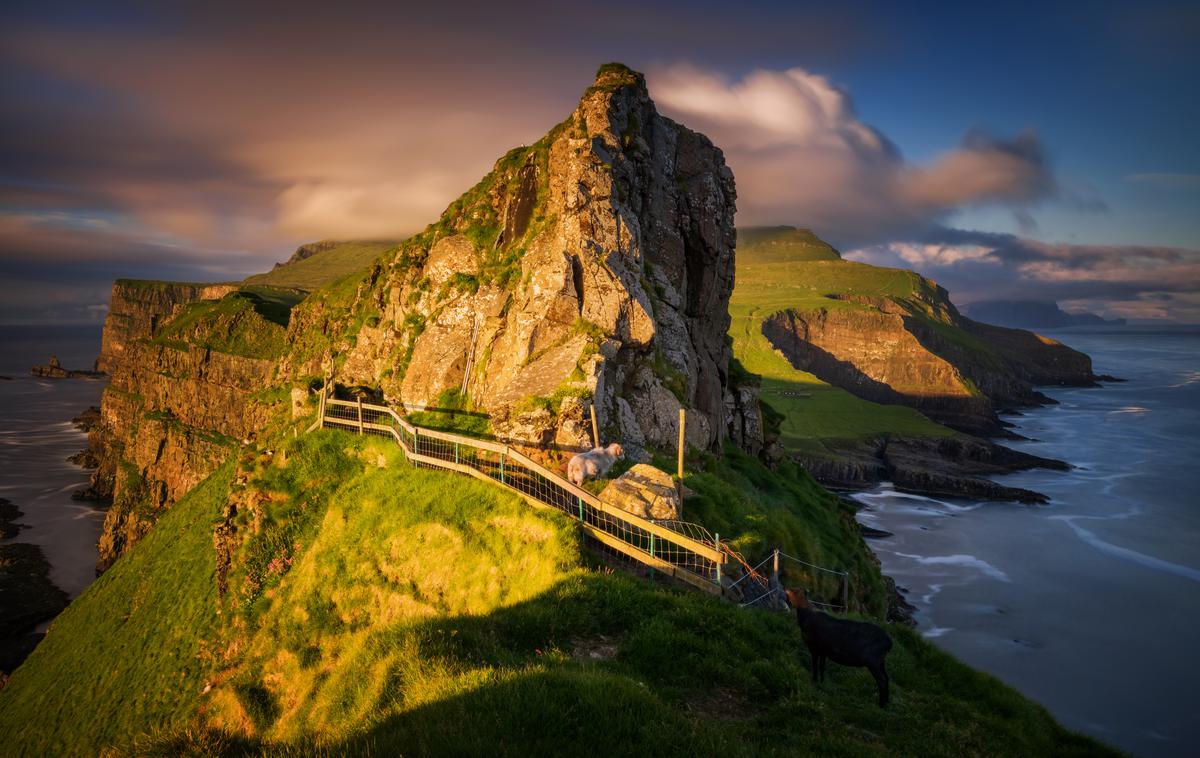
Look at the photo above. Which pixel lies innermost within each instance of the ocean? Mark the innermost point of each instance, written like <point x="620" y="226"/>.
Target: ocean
<point x="36" y="436"/>
<point x="1090" y="604"/>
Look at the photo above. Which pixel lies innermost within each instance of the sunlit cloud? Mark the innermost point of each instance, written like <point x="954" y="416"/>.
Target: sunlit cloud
<point x="1138" y="282"/>
<point x="801" y="155"/>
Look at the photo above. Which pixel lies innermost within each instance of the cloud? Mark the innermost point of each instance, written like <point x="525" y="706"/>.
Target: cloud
<point x="1118" y="280"/>
<point x="802" y="155"/>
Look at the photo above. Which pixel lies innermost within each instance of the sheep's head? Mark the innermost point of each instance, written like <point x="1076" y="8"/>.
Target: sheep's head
<point x="797" y="598"/>
<point x="615" y="450"/>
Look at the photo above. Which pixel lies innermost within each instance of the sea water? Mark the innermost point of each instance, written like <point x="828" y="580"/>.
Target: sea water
<point x="1089" y="605"/>
<point x="36" y="437"/>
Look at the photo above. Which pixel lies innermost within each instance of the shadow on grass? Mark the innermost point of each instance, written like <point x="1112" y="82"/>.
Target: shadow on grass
<point x="684" y="675"/>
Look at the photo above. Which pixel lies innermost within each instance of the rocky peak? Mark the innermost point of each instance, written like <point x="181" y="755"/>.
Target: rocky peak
<point x="593" y="267"/>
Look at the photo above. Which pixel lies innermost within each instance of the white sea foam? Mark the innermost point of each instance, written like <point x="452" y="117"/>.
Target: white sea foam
<point x="1149" y="561"/>
<point x="968" y="561"/>
<point x="1131" y="409"/>
<point x="1191" y="378"/>
<point x="937" y="631"/>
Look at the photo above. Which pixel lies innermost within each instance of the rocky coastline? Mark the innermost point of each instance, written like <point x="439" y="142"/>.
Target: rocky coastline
<point x="954" y="466"/>
<point x="27" y="596"/>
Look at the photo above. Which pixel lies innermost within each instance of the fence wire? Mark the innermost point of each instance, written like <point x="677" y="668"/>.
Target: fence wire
<point x="653" y="542"/>
<point x="658" y="547"/>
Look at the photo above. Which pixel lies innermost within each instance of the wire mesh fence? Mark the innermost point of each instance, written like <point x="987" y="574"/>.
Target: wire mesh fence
<point x="680" y="549"/>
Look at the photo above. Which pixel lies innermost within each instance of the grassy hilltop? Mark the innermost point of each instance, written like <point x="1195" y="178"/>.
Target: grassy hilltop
<point x="781" y="268"/>
<point x="373" y="608"/>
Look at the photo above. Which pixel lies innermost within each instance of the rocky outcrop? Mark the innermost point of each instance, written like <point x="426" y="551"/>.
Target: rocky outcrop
<point x="645" y="491"/>
<point x="55" y="370"/>
<point x="951" y="466"/>
<point x="926" y="356"/>
<point x="169" y="417"/>
<point x="593" y="267"/>
<point x="137" y="307"/>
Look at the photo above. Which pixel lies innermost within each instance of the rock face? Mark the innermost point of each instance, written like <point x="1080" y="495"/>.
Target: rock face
<point x="137" y="307"/>
<point x="593" y="267"/>
<point x="169" y="417"/>
<point x="956" y="371"/>
<point x="172" y="411"/>
<point x="645" y="491"/>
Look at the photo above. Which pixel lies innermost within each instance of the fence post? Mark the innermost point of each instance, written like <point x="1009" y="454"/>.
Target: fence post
<point x="455" y="453"/>
<point x="775" y="566"/>
<point x="360" y="424"/>
<point x="503" y="458"/>
<point x="417" y="439"/>
<point x="321" y="403"/>
<point x="580" y="508"/>
<point x="682" y="427"/>
<point x="717" y="546"/>
<point x="845" y="591"/>
<point x="651" y="552"/>
<point x="595" y="426"/>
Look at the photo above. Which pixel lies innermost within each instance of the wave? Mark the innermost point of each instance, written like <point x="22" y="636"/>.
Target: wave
<point x="1131" y="409"/>
<point x="969" y="561"/>
<point x="1192" y="378"/>
<point x="1149" y="561"/>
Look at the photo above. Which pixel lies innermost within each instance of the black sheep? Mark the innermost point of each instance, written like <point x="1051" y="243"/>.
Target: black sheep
<point x="850" y="643"/>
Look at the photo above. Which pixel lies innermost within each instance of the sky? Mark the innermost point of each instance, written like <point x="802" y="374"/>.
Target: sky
<point x="1011" y="152"/>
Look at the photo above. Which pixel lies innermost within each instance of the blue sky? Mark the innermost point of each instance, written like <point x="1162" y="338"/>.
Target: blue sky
<point x="1008" y="151"/>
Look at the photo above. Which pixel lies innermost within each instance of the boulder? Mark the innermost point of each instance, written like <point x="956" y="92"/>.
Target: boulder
<point x="449" y="256"/>
<point x="645" y="491"/>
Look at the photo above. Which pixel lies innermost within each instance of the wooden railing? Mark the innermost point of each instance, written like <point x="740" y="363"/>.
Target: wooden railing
<point x="696" y="557"/>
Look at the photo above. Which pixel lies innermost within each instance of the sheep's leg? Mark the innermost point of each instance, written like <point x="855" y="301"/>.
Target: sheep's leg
<point x="879" y="671"/>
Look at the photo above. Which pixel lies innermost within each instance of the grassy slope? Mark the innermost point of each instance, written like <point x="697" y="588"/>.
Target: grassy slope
<point x="426" y="613"/>
<point x="324" y="267"/>
<point x="778" y="269"/>
<point x="129" y="652"/>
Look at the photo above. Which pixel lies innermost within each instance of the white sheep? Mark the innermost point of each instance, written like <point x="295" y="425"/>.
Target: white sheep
<point x="593" y="464"/>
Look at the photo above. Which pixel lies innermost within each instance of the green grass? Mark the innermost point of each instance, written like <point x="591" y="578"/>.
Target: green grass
<point x="780" y="269"/>
<point x="756" y="509"/>
<point x="418" y="612"/>
<point x="131" y="652"/>
<point x="251" y="323"/>
<point x="326" y="266"/>
<point x="449" y="412"/>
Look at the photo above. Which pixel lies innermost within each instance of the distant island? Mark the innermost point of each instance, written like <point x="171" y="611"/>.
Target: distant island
<point x="1034" y="314"/>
